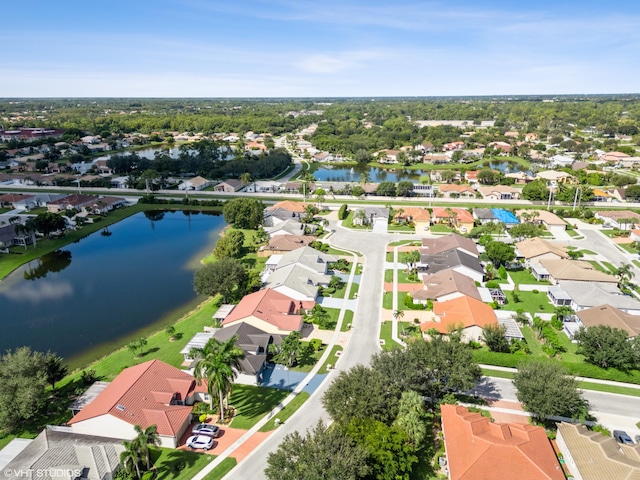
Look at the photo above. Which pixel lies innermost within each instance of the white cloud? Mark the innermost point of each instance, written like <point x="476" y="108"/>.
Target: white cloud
<point x="45" y="290"/>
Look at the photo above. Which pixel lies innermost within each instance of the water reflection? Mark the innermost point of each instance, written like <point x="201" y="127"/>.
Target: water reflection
<point x="45" y="290"/>
<point x="50" y="262"/>
<point x="154" y="216"/>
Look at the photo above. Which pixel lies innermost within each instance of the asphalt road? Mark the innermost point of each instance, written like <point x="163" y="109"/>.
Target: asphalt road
<point x="362" y="345"/>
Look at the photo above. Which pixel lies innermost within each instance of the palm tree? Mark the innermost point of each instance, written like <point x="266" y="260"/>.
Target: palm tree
<point x="148" y="436"/>
<point x="451" y="216"/>
<point x="364" y="179"/>
<point x="625" y="273"/>
<point x="218" y="364"/>
<point x="130" y="459"/>
<point x="246" y="179"/>
<point x="398" y="314"/>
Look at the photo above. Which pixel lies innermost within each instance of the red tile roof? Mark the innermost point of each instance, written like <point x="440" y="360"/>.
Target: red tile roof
<point x="480" y="450"/>
<point x="463" y="216"/>
<point x="270" y="306"/>
<point x="290" y="206"/>
<point x="463" y="311"/>
<point x="141" y="394"/>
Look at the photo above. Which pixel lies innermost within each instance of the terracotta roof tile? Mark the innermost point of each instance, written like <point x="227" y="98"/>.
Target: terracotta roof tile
<point x="463" y="311"/>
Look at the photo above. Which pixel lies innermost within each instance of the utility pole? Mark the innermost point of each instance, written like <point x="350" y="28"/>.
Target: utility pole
<point x="575" y="199"/>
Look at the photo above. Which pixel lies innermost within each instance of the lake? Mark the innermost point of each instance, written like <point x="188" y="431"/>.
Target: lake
<point x="90" y="295"/>
<point x="150" y="153"/>
<point x="377" y="175"/>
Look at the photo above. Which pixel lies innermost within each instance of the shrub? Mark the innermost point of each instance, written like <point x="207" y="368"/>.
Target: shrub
<point x="315" y="344"/>
<point x="556" y="323"/>
<point x="492" y="284"/>
<point x="502" y="272"/>
<point x="342" y="212"/>
<point x="535" y="291"/>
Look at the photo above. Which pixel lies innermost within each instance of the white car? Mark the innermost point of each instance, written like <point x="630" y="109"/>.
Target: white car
<point x="200" y="442"/>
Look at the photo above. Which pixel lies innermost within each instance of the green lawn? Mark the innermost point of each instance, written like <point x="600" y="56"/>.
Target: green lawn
<point x="354" y="290"/>
<point x="587" y="252"/>
<point x="331" y="359"/>
<point x="402" y="228"/>
<point x="221" y="470"/>
<point x="572" y="233"/>
<point x="530" y="302"/>
<point x="636" y="263"/>
<point x="179" y="464"/>
<point x="629" y="247"/>
<point x="612" y="268"/>
<point x="387" y="300"/>
<point x="286" y="412"/>
<point x="385" y="334"/>
<point x="405" y="242"/>
<point x="347" y="321"/>
<point x="348" y="223"/>
<point x="439" y="228"/>
<point x="389" y="257"/>
<point x="525" y="277"/>
<point x="308" y="360"/>
<point x="532" y="341"/>
<point x="252" y="403"/>
<point x="598" y="266"/>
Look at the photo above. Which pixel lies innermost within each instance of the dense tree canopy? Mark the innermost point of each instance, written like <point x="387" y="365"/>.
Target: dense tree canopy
<point x="545" y="390"/>
<point x="226" y="276"/>
<point x="246" y="213"/>
<point x="607" y="347"/>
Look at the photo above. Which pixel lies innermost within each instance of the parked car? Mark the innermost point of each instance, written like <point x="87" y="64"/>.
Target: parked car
<point x="200" y="442"/>
<point x="205" y="429"/>
<point x="622" y="437"/>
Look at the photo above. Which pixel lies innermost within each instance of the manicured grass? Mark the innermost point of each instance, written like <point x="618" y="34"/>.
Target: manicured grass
<point x="496" y="373"/>
<point x="389" y="257"/>
<point x="387" y="300"/>
<point x="401" y="304"/>
<point x="403" y="276"/>
<point x="598" y="266"/>
<point x="348" y="223"/>
<point x="335" y="251"/>
<point x="286" y="412"/>
<point x="629" y="247"/>
<point x="438" y="228"/>
<point x="308" y="360"/>
<point x="385" y="334"/>
<point x="333" y="315"/>
<point x="221" y="470"/>
<point x="354" y="290"/>
<point x="402" y="228"/>
<point x="252" y="403"/>
<point x="587" y="252"/>
<point x="572" y="233"/>
<point x="405" y="242"/>
<point x="170" y="461"/>
<point x="331" y="359"/>
<point x="599" y="387"/>
<point x="525" y="277"/>
<point x="340" y="292"/>
<point x="530" y="302"/>
<point x="612" y="268"/>
<point x="534" y="345"/>
<point x="347" y="321"/>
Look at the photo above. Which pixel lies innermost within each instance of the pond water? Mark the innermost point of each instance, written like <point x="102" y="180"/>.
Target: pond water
<point x="150" y="153"/>
<point x="91" y="294"/>
<point x="377" y="175"/>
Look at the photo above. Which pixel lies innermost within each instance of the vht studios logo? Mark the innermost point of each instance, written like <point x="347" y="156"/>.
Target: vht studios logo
<point x="42" y="473"/>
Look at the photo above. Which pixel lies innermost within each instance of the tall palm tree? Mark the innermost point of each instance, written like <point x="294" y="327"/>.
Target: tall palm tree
<point x="625" y="273"/>
<point x="398" y="314"/>
<point x="147" y="437"/>
<point x="364" y="179"/>
<point x="130" y="459"/>
<point x="451" y="216"/>
<point x="218" y="364"/>
<point x="246" y="179"/>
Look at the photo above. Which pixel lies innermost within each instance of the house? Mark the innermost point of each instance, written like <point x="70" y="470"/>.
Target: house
<point x="590" y="455"/>
<point x="613" y="157"/>
<point x="535" y="249"/>
<point x="432" y="246"/>
<point x="420" y="217"/>
<point x="500" y="192"/>
<point x="151" y="393"/>
<point x="455" y="259"/>
<point x="573" y="270"/>
<point x="288" y="227"/>
<point x="307" y="257"/>
<point x="521" y="178"/>
<point x="556" y="176"/>
<point x="610" y="316"/>
<point x="290" y="206"/>
<point x="421" y="190"/>
<point x="103" y="205"/>
<point x="276" y="216"/>
<point x="635" y="235"/>
<point x="445" y="285"/>
<point x="370" y="215"/>
<point x="195" y="183"/>
<point x="57" y="450"/>
<point x="18" y="201"/>
<point x="586" y="295"/>
<point x="297" y="282"/>
<point x="459" y="218"/>
<point x="484" y="215"/>
<point x="560" y="161"/>
<point x="467" y="313"/>
<point x="471" y="176"/>
<point x="388" y="156"/>
<point x="284" y="243"/>
<point x="229" y="186"/>
<point x="456" y="191"/>
<point x="8" y="238"/>
<point x="435" y="158"/>
<point x="77" y="202"/>
<point x="504" y="147"/>
<point x="477" y="448"/>
<point x="253" y="342"/>
<point x="270" y="311"/>
<point x="451" y="146"/>
<point x="551" y="221"/>
<point x="622" y="219"/>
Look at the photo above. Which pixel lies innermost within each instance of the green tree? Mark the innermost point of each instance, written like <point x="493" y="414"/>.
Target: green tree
<point x="362" y="392"/>
<point x="23" y="380"/>
<point x="290" y="348"/>
<point x="500" y="253"/>
<point x="325" y="453"/>
<point x="244" y="213"/>
<point x="448" y="176"/>
<point x="525" y="230"/>
<point x="48" y="222"/>
<point x="545" y="390"/>
<point x="217" y="363"/>
<point x="386" y="189"/>
<point x="487" y="176"/>
<point x="357" y="191"/>
<point x="130" y="459"/>
<point x="404" y="189"/>
<point x="362" y="156"/>
<point x="412" y="417"/>
<point x="607" y="347"/>
<point x="411" y="259"/>
<point x="226" y="276"/>
<point x="391" y="453"/>
<point x="229" y="246"/>
<point x="625" y="273"/>
<point x="495" y="337"/>
<point x="535" y="191"/>
<point x="144" y="439"/>
<point x="54" y="368"/>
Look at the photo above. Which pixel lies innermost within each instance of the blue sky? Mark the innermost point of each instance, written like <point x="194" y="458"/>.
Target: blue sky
<point x="294" y="48"/>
